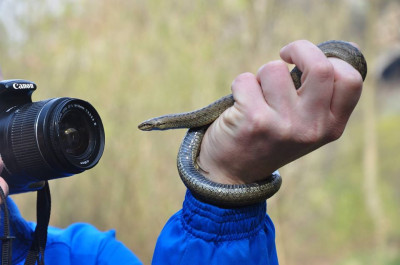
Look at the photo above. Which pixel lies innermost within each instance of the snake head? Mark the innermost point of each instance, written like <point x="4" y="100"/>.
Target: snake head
<point x="148" y="125"/>
<point x="157" y="123"/>
<point x="165" y="122"/>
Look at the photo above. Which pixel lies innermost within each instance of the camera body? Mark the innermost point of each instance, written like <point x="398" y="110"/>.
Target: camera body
<point x="44" y="140"/>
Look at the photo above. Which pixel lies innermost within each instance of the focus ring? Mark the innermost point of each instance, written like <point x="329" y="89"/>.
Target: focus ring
<point x="24" y="140"/>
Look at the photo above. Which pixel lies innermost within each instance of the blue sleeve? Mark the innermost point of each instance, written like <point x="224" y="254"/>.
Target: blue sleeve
<point x="79" y="243"/>
<point x="205" y="234"/>
<point x="84" y="244"/>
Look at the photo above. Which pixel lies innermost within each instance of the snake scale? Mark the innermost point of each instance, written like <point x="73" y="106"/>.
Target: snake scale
<point x="227" y="195"/>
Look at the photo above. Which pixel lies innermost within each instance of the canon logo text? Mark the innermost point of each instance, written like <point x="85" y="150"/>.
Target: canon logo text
<point x="22" y="86"/>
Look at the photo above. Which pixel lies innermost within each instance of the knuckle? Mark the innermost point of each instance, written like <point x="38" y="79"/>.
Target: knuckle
<point x="314" y="134"/>
<point x="243" y="78"/>
<point x="257" y="124"/>
<point x="286" y="131"/>
<point x="324" y="70"/>
<point x="327" y="130"/>
<point x="334" y="135"/>
<point x="353" y="80"/>
<point x="335" y="132"/>
<point x="300" y="43"/>
<point x="274" y="70"/>
<point x="273" y="66"/>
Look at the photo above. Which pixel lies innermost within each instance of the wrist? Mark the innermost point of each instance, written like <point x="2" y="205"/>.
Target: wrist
<point x="217" y="193"/>
<point x="225" y="173"/>
<point x="216" y="175"/>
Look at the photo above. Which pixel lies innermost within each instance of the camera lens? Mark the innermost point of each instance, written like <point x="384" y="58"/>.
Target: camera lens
<point x="49" y="139"/>
<point x="75" y="133"/>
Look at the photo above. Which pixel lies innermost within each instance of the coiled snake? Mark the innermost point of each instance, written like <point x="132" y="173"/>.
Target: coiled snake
<point x="226" y="195"/>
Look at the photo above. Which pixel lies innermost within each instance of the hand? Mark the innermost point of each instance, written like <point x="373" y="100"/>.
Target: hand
<point x="271" y="124"/>
<point x="3" y="183"/>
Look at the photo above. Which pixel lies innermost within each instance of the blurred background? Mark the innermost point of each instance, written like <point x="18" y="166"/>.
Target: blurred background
<point x="137" y="59"/>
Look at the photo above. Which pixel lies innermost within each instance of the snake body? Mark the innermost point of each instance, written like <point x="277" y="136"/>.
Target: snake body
<point x="227" y="195"/>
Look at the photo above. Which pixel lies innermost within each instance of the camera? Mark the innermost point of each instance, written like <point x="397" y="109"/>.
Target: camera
<point x="44" y="140"/>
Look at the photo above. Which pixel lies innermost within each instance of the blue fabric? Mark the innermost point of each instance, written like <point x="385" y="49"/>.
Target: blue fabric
<point x="205" y="234"/>
<point x="198" y="234"/>
<point x="84" y="244"/>
<point x="78" y="244"/>
<point x="19" y="228"/>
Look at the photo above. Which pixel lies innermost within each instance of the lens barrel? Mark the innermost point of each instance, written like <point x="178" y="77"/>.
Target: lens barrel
<point x="49" y="139"/>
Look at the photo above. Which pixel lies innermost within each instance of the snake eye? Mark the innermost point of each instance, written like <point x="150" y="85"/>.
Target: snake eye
<point x="146" y="126"/>
<point x="159" y="124"/>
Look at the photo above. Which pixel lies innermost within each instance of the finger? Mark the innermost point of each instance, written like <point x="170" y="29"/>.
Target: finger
<point x="276" y="84"/>
<point x="347" y="91"/>
<point x="318" y="74"/>
<point x="247" y="91"/>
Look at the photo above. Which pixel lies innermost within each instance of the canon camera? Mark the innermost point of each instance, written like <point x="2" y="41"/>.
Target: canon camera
<point x="44" y="140"/>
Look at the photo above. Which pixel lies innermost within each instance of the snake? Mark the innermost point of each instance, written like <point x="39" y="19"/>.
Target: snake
<point x="234" y="195"/>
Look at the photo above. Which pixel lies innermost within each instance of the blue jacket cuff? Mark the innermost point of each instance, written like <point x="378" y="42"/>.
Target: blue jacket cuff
<point x="213" y="223"/>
